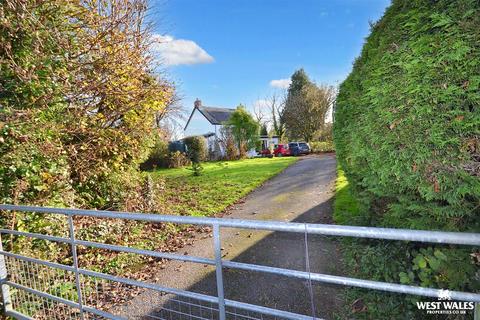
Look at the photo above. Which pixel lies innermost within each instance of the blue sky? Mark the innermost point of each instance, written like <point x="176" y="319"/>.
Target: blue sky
<point x="229" y="52"/>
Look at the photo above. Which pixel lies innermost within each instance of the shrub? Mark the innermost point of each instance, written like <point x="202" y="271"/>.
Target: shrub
<point x="394" y="261"/>
<point x="196" y="148"/>
<point x="197" y="168"/>
<point x="407" y="131"/>
<point x="407" y="122"/>
<point x="159" y="157"/>
<point x="65" y="131"/>
<point x="197" y="152"/>
<point x="228" y="143"/>
<point x="325" y="133"/>
<point x="77" y="103"/>
<point x="231" y="149"/>
<point x="322" y="146"/>
<point x="178" y="159"/>
<point x="244" y="129"/>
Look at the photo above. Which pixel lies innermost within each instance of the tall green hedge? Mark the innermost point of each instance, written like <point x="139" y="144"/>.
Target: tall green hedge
<point x="407" y="119"/>
<point x="407" y="134"/>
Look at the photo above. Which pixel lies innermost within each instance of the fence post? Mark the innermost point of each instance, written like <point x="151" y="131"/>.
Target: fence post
<point x="5" y="292"/>
<point x="75" y="264"/>
<point x="219" y="271"/>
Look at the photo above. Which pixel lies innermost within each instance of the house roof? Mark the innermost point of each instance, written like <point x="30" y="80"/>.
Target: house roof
<point x="214" y="115"/>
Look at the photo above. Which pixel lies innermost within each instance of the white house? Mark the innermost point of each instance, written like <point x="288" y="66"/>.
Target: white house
<point x="205" y="119"/>
<point x="208" y="121"/>
<point x="269" y="142"/>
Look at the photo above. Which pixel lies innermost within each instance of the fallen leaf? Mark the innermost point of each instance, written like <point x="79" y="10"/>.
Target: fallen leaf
<point x="358" y="306"/>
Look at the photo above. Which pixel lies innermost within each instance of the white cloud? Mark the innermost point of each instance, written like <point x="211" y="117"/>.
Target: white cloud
<point x="174" y="52"/>
<point x="280" y="83"/>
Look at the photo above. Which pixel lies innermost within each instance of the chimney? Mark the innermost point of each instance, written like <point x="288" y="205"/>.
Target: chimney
<point x="197" y="103"/>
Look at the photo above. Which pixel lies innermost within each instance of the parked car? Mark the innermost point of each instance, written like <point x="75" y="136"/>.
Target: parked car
<point x="281" y="150"/>
<point x="298" y="148"/>
<point x="266" y="153"/>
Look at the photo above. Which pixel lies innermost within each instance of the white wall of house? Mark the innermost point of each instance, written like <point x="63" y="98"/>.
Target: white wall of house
<point x="268" y="142"/>
<point x="198" y="125"/>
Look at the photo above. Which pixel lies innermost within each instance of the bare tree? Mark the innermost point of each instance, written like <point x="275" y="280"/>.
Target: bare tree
<point x="277" y="106"/>
<point x="269" y="112"/>
<point x="259" y="113"/>
<point x="170" y="120"/>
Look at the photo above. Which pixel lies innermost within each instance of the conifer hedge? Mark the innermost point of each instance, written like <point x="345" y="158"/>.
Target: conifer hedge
<point x="407" y="118"/>
<point x="407" y="134"/>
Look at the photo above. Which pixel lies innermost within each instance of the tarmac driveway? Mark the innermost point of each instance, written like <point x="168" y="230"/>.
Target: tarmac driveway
<point x="302" y="193"/>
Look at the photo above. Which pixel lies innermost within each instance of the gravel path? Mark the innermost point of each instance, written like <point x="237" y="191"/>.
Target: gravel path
<point x="302" y="193"/>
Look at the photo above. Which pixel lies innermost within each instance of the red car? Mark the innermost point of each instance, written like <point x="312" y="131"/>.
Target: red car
<point x="266" y="153"/>
<point x="281" y="150"/>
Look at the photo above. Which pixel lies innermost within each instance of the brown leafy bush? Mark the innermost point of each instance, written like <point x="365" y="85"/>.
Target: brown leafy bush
<point x="178" y="159"/>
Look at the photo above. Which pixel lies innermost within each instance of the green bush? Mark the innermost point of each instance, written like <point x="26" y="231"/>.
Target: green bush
<point x="407" y="134"/>
<point x="196" y="152"/>
<point x="394" y="261"/>
<point x="159" y="156"/>
<point x="407" y="119"/>
<point x="322" y="146"/>
<point x="196" y="148"/>
<point x="65" y="131"/>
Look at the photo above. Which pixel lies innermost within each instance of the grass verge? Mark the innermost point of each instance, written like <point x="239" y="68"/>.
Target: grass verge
<point x="373" y="260"/>
<point x="346" y="208"/>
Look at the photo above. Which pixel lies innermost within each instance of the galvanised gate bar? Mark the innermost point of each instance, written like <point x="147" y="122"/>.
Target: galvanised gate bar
<point x="217" y="307"/>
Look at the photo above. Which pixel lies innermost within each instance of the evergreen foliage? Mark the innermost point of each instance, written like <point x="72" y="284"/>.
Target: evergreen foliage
<point x="407" y="134"/>
<point x="306" y="107"/>
<point x="264" y="130"/>
<point x="196" y="152"/>
<point x="407" y="119"/>
<point x="196" y="148"/>
<point x="244" y="128"/>
<point x="300" y="80"/>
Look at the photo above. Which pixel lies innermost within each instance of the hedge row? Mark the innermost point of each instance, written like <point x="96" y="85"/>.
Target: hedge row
<point x="322" y="146"/>
<point x="407" y="133"/>
<point x="407" y="129"/>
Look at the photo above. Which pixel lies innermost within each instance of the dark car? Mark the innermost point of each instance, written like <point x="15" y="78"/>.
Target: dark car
<point x="298" y="148"/>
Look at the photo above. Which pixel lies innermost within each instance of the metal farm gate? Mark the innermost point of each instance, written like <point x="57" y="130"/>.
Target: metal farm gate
<point x="26" y="282"/>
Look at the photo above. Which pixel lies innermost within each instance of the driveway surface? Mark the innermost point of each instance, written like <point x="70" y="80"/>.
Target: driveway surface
<point x="302" y="193"/>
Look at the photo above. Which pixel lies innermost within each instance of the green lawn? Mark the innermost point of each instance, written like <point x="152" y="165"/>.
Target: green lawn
<point x="220" y="185"/>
